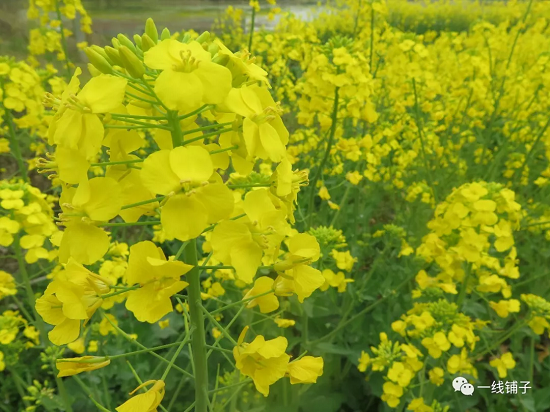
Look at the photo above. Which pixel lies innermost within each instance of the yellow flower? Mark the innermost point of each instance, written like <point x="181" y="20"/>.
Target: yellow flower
<point x="392" y="394"/>
<point x="268" y="302"/>
<point x="284" y="323"/>
<point x="158" y="279"/>
<point x="436" y="344"/>
<point x="77" y="346"/>
<point x="354" y="177"/>
<point x="436" y="376"/>
<point x="7" y="285"/>
<point x="186" y="171"/>
<point x="233" y="244"/>
<point x="364" y="361"/>
<point x="344" y="260"/>
<point x="144" y="402"/>
<point x="76" y="125"/>
<point x="418" y="405"/>
<point x="8" y="228"/>
<point x="305" y="370"/>
<point x="264" y="133"/>
<point x="105" y="327"/>
<point x="400" y="374"/>
<point x="461" y="364"/>
<point x="538" y="324"/>
<point x="74" y="295"/>
<point x="265" y="361"/>
<point x="503" y="364"/>
<point x="504" y="307"/>
<point x="189" y="78"/>
<point x="74" y="366"/>
<point x="97" y="199"/>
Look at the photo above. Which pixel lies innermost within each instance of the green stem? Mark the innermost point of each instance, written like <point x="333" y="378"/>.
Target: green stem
<point x="342" y="203"/>
<point x="20" y="389"/>
<point x="251" y="38"/>
<point x="118" y="162"/>
<point x="144" y="202"/>
<point x="463" y="288"/>
<point x="240" y="302"/>
<point x="135" y="342"/>
<point x="173" y="360"/>
<point x="504" y="337"/>
<point x="207" y="135"/>
<point x="204" y="108"/>
<point x="63" y="39"/>
<point x="371" y="56"/>
<point x="220" y="327"/>
<point x="325" y="158"/>
<point x="125" y="224"/>
<point x="421" y="137"/>
<point x="533" y="146"/>
<point x="362" y="312"/>
<point x="197" y="325"/>
<point x="224" y="150"/>
<point x="14" y="145"/>
<point x="245" y="382"/>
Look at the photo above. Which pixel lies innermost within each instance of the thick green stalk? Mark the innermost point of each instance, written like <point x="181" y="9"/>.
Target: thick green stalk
<point x="313" y="183"/>
<point x="197" y="325"/>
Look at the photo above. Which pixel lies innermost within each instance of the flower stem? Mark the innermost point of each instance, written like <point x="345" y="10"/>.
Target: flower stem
<point x="118" y="162"/>
<point x="63" y="40"/>
<point x="324" y="161"/>
<point x="197" y="325"/>
<point x="252" y="23"/>
<point x="14" y="145"/>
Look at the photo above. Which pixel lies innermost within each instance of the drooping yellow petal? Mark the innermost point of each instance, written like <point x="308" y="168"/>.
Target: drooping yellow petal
<point x="66" y="332"/>
<point x="84" y="243"/>
<point x="305" y="370"/>
<point x="216" y="81"/>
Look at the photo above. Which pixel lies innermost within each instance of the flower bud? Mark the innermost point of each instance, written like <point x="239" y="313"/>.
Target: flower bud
<point x="131" y="63"/>
<point x="203" y="38"/>
<point x="114" y="55"/>
<point x="125" y="41"/>
<point x="146" y="43"/>
<point x="93" y="71"/>
<point x="137" y="40"/>
<point x="101" y="52"/>
<point x="115" y="42"/>
<point x="98" y="61"/>
<point x="165" y="34"/>
<point x="151" y="30"/>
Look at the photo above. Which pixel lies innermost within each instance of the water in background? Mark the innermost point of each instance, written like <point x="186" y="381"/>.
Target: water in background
<point x="111" y="17"/>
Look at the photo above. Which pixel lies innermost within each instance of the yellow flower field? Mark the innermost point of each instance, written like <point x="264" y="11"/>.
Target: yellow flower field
<point x="344" y="211"/>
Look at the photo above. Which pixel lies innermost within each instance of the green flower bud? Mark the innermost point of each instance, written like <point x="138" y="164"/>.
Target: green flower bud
<point x="137" y="40"/>
<point x="115" y="42"/>
<point x="204" y="37"/>
<point x="131" y="63"/>
<point x="94" y="72"/>
<point x="146" y="43"/>
<point x="98" y="61"/>
<point x="114" y="55"/>
<point x="151" y="30"/>
<point x="125" y="41"/>
<point x="165" y="34"/>
<point x="100" y="51"/>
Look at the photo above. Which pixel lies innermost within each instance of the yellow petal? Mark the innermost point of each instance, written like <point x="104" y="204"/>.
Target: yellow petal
<point x="103" y="93"/>
<point x="157" y="175"/>
<point x="66" y="332"/>
<point x="191" y="163"/>
<point x="183" y="218"/>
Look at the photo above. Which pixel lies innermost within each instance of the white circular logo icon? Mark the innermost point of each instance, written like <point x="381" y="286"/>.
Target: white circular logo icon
<point x="461" y="384"/>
